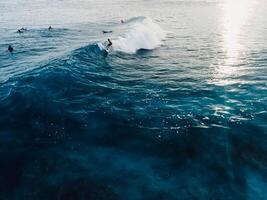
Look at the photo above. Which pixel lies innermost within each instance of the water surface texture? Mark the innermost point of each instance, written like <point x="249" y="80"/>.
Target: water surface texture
<point x="176" y="111"/>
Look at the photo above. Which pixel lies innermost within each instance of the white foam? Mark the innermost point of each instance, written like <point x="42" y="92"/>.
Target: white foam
<point x="142" y="33"/>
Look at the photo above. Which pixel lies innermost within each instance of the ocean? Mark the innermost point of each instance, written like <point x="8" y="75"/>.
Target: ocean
<point x="175" y="111"/>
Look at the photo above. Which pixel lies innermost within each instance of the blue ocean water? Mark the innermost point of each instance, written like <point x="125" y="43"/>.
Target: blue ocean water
<point x="177" y="110"/>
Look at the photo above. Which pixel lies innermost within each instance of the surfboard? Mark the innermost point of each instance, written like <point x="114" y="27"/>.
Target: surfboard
<point x="104" y="49"/>
<point x="107" y="31"/>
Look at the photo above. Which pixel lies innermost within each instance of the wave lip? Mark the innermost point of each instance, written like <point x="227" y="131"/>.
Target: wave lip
<point x="143" y="33"/>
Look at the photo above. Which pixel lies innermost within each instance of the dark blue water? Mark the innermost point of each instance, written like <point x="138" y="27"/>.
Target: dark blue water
<point x="183" y="120"/>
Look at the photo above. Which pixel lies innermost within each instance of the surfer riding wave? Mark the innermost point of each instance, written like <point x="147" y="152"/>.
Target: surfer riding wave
<point x="137" y="33"/>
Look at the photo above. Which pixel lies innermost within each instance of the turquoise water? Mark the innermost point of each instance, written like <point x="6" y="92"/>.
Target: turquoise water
<point x="177" y="110"/>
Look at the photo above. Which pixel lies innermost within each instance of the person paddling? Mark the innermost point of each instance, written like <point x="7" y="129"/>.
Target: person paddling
<point x="106" y="31"/>
<point x="22" y="30"/>
<point x="10" y="49"/>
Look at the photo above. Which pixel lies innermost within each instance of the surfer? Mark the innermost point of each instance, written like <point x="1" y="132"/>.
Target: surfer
<point x="106" y="31"/>
<point x="22" y="30"/>
<point x="122" y="21"/>
<point x="50" y="28"/>
<point x="109" y="44"/>
<point x="10" y="49"/>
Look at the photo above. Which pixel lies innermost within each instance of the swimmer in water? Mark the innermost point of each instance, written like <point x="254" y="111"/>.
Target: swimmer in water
<point x="10" y="49"/>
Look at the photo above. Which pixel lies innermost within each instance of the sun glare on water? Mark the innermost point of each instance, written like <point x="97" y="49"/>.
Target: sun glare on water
<point x="235" y="14"/>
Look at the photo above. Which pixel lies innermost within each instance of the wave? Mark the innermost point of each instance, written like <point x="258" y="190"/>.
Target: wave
<point x="142" y="33"/>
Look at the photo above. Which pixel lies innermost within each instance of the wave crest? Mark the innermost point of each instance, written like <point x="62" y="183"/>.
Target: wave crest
<point x="143" y="33"/>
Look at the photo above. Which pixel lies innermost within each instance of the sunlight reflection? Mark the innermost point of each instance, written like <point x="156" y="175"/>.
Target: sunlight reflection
<point x="235" y="15"/>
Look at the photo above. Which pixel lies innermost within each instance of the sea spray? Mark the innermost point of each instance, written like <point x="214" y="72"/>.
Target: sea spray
<point x="143" y="33"/>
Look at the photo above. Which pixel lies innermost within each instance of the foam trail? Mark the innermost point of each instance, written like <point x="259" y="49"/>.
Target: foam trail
<point x="142" y="33"/>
